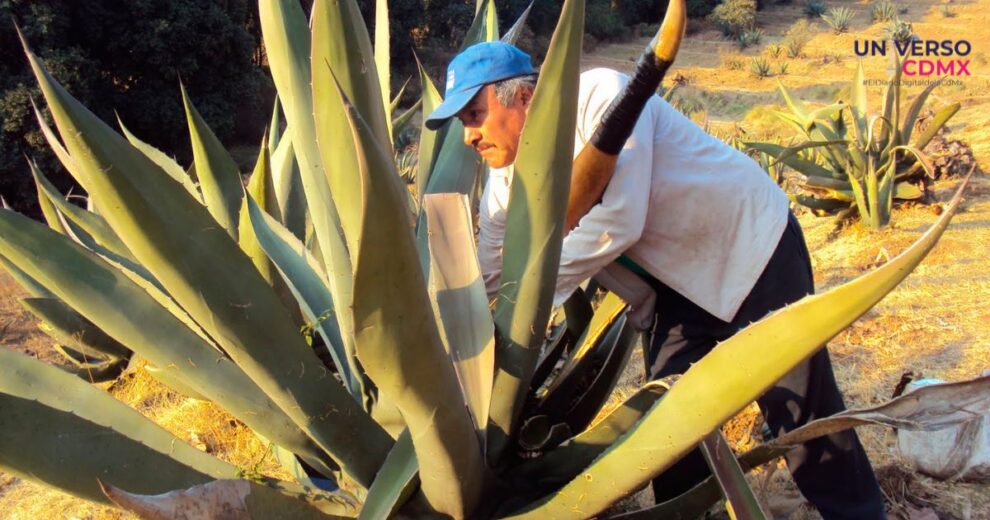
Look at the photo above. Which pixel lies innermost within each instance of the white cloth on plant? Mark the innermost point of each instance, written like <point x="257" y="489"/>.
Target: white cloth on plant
<point x="695" y="213"/>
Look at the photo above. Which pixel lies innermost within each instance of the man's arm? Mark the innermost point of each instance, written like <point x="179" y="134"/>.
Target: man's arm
<point x="616" y="223"/>
<point x="491" y="231"/>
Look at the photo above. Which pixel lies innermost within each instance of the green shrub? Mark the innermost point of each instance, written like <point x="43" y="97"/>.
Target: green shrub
<point x="899" y="31"/>
<point x="883" y="11"/>
<point x="602" y="22"/>
<point x="760" y="67"/>
<point x="750" y="38"/>
<point x="128" y="57"/>
<point x="700" y="8"/>
<point x="733" y="17"/>
<point x="815" y="8"/>
<point x="732" y="61"/>
<point x="796" y="38"/>
<point x="839" y="18"/>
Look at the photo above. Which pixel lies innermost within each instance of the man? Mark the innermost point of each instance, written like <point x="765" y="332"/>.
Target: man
<point x="700" y="223"/>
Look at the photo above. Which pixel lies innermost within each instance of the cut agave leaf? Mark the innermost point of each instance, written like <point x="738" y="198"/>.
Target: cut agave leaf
<point x="460" y="302"/>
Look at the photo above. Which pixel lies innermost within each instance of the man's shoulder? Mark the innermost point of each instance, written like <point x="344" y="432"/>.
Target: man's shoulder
<point x="603" y="76"/>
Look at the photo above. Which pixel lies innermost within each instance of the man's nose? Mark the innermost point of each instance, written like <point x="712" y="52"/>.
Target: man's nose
<point x="471" y="135"/>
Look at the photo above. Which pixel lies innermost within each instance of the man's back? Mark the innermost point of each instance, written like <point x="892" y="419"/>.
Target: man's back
<point x="693" y="212"/>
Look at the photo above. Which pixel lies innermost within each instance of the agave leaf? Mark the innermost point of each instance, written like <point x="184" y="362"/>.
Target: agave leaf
<point x="218" y="175"/>
<point x="803" y="166"/>
<point x="261" y="190"/>
<point x="516" y="30"/>
<point x="274" y="132"/>
<point x="579" y="313"/>
<point x="91" y="223"/>
<point x="827" y="112"/>
<point x="53" y="142"/>
<point x="397" y="338"/>
<point x="92" y="369"/>
<point x="619" y="343"/>
<point x="592" y="349"/>
<point x="48" y="209"/>
<point x="534" y="225"/>
<point x="234" y="499"/>
<point x="394" y="104"/>
<point x="858" y="104"/>
<point x="67" y="327"/>
<point x="382" y="59"/>
<point x="430" y="141"/>
<point x="163" y="161"/>
<point x="178" y="241"/>
<point x="400" y="123"/>
<point x="929" y="408"/>
<point x="287" y="42"/>
<point x="803" y="327"/>
<point x="460" y="302"/>
<point x="40" y="405"/>
<point x="167" y="378"/>
<point x="907" y="191"/>
<point x="892" y="102"/>
<point x="937" y="122"/>
<point x="342" y="53"/>
<point x="796" y="106"/>
<point x="914" y="110"/>
<point x="741" y="503"/>
<point x="302" y="274"/>
<point x="564" y="463"/>
<point x="394" y="482"/>
<point x="484" y="27"/>
<point x="560" y="340"/>
<point x="33" y="288"/>
<point x="286" y="178"/>
<point x="820" y="204"/>
<point x="97" y="291"/>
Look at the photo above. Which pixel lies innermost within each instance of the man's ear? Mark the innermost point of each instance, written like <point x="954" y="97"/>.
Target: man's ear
<point x="525" y="96"/>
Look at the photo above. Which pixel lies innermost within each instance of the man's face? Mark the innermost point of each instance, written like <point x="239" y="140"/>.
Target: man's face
<point x="492" y="128"/>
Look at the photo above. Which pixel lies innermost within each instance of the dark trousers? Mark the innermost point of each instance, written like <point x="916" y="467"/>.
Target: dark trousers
<point x="832" y="472"/>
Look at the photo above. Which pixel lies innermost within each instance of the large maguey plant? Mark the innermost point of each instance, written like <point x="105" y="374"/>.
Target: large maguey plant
<point x="346" y="322"/>
<point x="865" y="172"/>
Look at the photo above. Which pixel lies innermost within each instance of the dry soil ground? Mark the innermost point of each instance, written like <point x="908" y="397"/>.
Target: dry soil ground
<point x="937" y="322"/>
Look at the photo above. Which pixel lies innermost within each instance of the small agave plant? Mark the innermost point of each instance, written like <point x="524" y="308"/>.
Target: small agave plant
<point x="864" y="173"/>
<point x="412" y="398"/>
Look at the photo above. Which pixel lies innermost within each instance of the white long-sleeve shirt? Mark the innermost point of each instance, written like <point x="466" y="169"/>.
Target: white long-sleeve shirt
<point x="695" y="213"/>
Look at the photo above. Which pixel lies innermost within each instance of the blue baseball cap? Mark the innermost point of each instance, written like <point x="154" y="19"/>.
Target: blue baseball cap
<point x="472" y="69"/>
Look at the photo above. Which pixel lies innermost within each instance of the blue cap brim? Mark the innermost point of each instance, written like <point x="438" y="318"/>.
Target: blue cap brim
<point x="450" y="107"/>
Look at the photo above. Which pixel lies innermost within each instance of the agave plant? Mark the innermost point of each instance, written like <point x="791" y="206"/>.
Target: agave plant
<point x="839" y="18"/>
<point x="426" y="402"/>
<point x="865" y="172"/>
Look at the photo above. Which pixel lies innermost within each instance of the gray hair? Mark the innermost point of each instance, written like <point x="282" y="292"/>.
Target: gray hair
<point x="506" y="89"/>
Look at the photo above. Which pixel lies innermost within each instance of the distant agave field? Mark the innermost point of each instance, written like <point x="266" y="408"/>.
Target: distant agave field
<point x="346" y="322"/>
